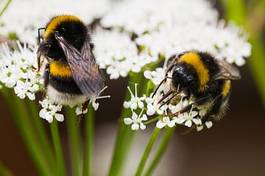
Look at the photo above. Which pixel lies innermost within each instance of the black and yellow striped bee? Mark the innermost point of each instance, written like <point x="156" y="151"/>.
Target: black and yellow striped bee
<point x="71" y="74"/>
<point x="204" y="79"/>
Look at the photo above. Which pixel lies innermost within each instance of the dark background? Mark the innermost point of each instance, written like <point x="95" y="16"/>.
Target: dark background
<point x="235" y="146"/>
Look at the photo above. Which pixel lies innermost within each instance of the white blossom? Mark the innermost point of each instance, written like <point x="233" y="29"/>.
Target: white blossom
<point x="136" y="121"/>
<point x="148" y="15"/>
<point x="19" y="18"/>
<point x="188" y="118"/>
<point x="155" y="76"/>
<point x="118" y="54"/>
<point x="223" y="42"/>
<point x="50" y="111"/>
<point x="135" y="102"/>
<point x="165" y="121"/>
<point x="208" y="125"/>
<point x="17" y="70"/>
<point x="79" y="110"/>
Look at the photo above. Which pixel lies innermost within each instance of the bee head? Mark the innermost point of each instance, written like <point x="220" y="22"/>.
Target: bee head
<point x="71" y="28"/>
<point x="184" y="77"/>
<point x="74" y="32"/>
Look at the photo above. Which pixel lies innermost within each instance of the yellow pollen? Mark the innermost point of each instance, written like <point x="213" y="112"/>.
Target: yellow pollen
<point x="226" y="88"/>
<point x="60" y="69"/>
<point x="195" y="61"/>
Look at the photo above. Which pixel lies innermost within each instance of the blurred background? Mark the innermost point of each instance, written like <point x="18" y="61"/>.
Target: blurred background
<point x="235" y="146"/>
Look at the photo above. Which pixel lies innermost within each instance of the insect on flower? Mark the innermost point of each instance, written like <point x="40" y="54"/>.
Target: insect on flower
<point x="71" y="75"/>
<point x="203" y="80"/>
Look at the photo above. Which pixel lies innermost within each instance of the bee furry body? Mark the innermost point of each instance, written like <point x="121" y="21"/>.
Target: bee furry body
<point x="204" y="80"/>
<point x="71" y="75"/>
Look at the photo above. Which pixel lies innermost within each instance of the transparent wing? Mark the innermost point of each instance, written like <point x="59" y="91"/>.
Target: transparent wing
<point x="227" y="71"/>
<point x="83" y="66"/>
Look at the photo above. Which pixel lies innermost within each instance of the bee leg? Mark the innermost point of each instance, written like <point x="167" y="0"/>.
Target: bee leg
<point x="160" y="84"/>
<point x="46" y="75"/>
<point x="82" y="116"/>
<point x="188" y="131"/>
<point x="188" y="107"/>
<point x="215" y="109"/>
<point x="166" y="102"/>
<point x="165" y="96"/>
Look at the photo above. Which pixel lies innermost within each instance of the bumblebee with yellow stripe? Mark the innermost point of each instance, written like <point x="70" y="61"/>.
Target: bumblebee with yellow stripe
<point x="71" y="74"/>
<point x="202" y="78"/>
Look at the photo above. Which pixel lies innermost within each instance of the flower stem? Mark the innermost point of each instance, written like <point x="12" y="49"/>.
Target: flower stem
<point x="23" y="122"/>
<point x="89" y="143"/>
<point x="60" y="168"/>
<point x="152" y="120"/>
<point x="124" y="136"/>
<point x="160" y="151"/>
<point x="5" y="7"/>
<point x="4" y="171"/>
<point x="74" y="142"/>
<point x="147" y="151"/>
<point x="40" y="130"/>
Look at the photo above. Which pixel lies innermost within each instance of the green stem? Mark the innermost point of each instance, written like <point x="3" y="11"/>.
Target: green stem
<point x="28" y="134"/>
<point x="152" y="120"/>
<point x="74" y="141"/>
<point x="89" y="145"/>
<point x="5" y="7"/>
<point x="147" y="151"/>
<point x="4" y="171"/>
<point x="160" y="151"/>
<point x="40" y="130"/>
<point x="59" y="159"/>
<point x="124" y="136"/>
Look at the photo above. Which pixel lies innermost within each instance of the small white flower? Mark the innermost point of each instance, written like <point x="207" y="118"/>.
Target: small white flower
<point x="16" y="19"/>
<point x="79" y="110"/>
<point x="16" y="70"/>
<point x="135" y="102"/>
<point x="155" y="76"/>
<point x="118" y="54"/>
<point x="165" y="121"/>
<point x="50" y="111"/>
<point x="136" y="121"/>
<point x="188" y="119"/>
<point x="209" y="124"/>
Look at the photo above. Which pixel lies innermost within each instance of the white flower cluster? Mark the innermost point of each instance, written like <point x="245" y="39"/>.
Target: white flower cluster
<point x="155" y="76"/>
<point x="223" y="42"/>
<point x="17" y="70"/>
<point x="165" y="27"/>
<point x="167" y="115"/>
<point x="118" y="54"/>
<point x="141" y="16"/>
<point x="50" y="110"/>
<point x="22" y="20"/>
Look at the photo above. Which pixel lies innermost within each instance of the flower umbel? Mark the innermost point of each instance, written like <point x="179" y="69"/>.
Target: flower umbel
<point x="136" y="121"/>
<point x="17" y="70"/>
<point x="50" y="111"/>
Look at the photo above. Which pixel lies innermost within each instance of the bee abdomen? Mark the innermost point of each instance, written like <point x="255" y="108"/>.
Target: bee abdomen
<point x="64" y="85"/>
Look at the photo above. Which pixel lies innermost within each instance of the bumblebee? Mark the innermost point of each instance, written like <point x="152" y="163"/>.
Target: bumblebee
<point x="71" y="75"/>
<point x="202" y="78"/>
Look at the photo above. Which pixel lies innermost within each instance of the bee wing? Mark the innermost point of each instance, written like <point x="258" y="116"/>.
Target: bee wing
<point x="83" y="66"/>
<point x="227" y="71"/>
